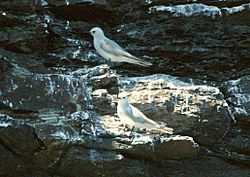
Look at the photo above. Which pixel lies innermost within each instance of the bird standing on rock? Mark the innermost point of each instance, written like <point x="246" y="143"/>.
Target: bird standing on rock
<point x="111" y="51"/>
<point x="133" y="117"/>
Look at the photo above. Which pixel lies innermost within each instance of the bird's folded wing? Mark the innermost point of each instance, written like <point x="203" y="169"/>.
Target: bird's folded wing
<point x="140" y="117"/>
<point x="113" y="48"/>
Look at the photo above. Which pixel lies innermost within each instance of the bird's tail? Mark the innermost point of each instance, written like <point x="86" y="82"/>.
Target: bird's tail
<point x="138" y="61"/>
<point x="144" y="63"/>
<point x="167" y="130"/>
<point x="163" y="130"/>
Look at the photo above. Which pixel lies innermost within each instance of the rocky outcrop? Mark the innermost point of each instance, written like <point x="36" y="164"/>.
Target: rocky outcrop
<point x="97" y="138"/>
<point x="238" y="96"/>
<point x="93" y="133"/>
<point x="194" y="109"/>
<point x="64" y="92"/>
<point x="202" y="47"/>
<point x="58" y="103"/>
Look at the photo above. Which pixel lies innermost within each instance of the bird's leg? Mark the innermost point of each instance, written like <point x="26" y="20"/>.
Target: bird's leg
<point x="131" y="132"/>
<point x="109" y="62"/>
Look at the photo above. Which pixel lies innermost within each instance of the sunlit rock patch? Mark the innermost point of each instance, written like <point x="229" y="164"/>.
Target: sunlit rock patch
<point x="200" y="109"/>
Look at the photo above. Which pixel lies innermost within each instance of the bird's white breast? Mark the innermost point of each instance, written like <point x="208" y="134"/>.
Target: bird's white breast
<point x="125" y="114"/>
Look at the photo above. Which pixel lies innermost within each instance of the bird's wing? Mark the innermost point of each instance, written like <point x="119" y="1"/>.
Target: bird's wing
<point x="140" y="117"/>
<point x="142" y="121"/>
<point x="113" y="48"/>
<point x="125" y="110"/>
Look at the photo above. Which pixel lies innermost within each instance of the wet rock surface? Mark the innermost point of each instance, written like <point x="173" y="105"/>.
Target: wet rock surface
<point x="58" y="98"/>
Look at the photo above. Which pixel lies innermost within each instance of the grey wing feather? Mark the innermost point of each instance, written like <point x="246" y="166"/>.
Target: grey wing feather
<point x="140" y="117"/>
<point x="129" y="112"/>
<point x="112" y="47"/>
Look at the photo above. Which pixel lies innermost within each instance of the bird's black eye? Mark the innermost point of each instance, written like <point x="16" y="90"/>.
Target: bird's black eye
<point x="123" y="97"/>
<point x="93" y="31"/>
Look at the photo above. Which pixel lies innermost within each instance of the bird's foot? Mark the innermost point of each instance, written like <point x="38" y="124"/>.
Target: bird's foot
<point x="131" y="135"/>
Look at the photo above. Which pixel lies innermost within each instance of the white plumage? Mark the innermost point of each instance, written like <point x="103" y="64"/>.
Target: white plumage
<point x="111" y="51"/>
<point x="133" y="117"/>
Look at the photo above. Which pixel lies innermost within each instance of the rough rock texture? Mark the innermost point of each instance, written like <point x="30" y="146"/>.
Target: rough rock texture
<point x="238" y="96"/>
<point x="94" y="163"/>
<point x="56" y="33"/>
<point x="94" y="138"/>
<point x="58" y="103"/>
<point x="58" y="91"/>
<point x="199" y="110"/>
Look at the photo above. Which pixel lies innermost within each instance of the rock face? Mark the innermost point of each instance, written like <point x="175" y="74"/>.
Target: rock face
<point x="58" y="101"/>
<point x="59" y="91"/>
<point x="237" y="93"/>
<point x="211" y="42"/>
<point x="238" y="96"/>
<point x="199" y="110"/>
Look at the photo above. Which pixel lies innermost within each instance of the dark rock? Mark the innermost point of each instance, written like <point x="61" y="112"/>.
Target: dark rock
<point x="241" y="144"/>
<point x="53" y="132"/>
<point x="200" y="48"/>
<point x="31" y="92"/>
<point x="204" y="166"/>
<point x="67" y="92"/>
<point x="5" y="67"/>
<point x="24" y="143"/>
<point x="8" y="160"/>
<point x="20" y="62"/>
<point x="48" y="159"/>
<point x="91" y="162"/>
<point x="86" y="11"/>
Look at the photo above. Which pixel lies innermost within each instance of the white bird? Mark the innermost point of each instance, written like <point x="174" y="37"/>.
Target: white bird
<point x="111" y="51"/>
<point x="133" y="117"/>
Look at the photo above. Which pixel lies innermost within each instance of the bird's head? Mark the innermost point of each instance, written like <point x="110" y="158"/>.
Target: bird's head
<point x="123" y="97"/>
<point x="96" y="32"/>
